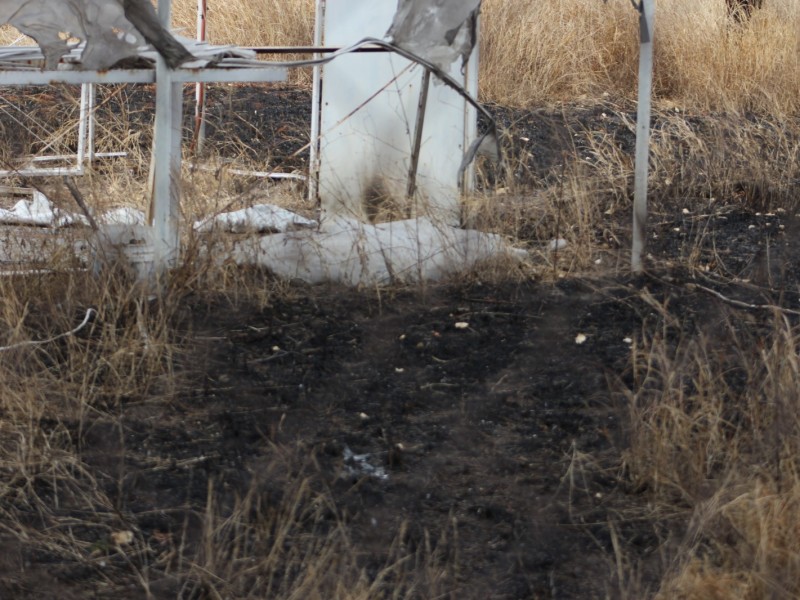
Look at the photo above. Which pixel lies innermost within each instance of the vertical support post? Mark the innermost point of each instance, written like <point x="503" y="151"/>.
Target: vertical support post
<point x="200" y="88"/>
<point x="83" y="129"/>
<point x="165" y="12"/>
<point x="91" y="93"/>
<point x="165" y="203"/>
<point x="646" y="31"/>
<point x="419" y="126"/>
<point x="166" y="161"/>
<point x="316" y="116"/>
<point x="467" y="183"/>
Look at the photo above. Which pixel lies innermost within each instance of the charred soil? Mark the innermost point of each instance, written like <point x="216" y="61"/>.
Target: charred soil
<point x="472" y="431"/>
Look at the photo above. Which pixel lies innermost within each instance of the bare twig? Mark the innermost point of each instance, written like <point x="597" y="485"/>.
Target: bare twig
<point x="76" y="193"/>
<point x="739" y="303"/>
<point x="89" y="313"/>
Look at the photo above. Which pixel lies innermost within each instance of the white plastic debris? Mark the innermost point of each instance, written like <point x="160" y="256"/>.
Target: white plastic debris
<point x="123" y="216"/>
<point x="348" y="251"/>
<point x="258" y="218"/>
<point x="359" y="465"/>
<point x="437" y="30"/>
<point x="38" y="211"/>
<point x="580" y="339"/>
<point x="112" y="29"/>
<point x="557" y="244"/>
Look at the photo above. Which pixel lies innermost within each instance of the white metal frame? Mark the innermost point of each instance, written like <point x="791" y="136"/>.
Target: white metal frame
<point x="167" y="136"/>
<point x="165" y="202"/>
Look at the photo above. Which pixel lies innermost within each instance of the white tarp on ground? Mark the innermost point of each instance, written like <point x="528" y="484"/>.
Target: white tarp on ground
<point x="440" y="31"/>
<point x="348" y="251"/>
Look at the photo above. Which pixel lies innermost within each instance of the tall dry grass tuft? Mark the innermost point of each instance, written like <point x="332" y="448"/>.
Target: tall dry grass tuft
<point x="252" y="22"/>
<point x="550" y="51"/>
<point x="715" y="441"/>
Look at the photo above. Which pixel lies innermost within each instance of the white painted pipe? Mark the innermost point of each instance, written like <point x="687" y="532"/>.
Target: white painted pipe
<point x="647" y="28"/>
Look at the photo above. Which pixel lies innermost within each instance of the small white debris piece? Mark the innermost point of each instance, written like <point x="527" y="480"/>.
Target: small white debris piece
<point x="686" y="211"/>
<point x="258" y="218"/>
<point x="627" y="340"/>
<point x="276" y="348"/>
<point x="363" y="416"/>
<point x="580" y="338"/>
<point x="557" y="244"/>
<point x="399" y="370"/>
<point x="121" y="538"/>
<point x="676" y="229"/>
<point x="461" y="325"/>
<point x="358" y="465"/>
<point x="751" y="226"/>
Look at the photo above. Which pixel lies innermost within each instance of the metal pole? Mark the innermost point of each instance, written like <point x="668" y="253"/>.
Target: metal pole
<point x="92" y="94"/>
<point x="166" y="161"/>
<point x="417" y="146"/>
<point x="200" y="88"/>
<point x="165" y="12"/>
<point x="646" y="29"/>
<point x="165" y="204"/>
<point x="83" y="128"/>
<point x="316" y="109"/>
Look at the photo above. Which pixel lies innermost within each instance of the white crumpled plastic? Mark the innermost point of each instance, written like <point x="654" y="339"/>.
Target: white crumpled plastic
<point x="437" y="30"/>
<point x="102" y="24"/>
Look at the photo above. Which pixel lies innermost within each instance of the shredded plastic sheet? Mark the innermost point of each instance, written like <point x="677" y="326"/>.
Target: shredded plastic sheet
<point x="354" y="253"/>
<point x="39" y="211"/>
<point x="104" y="25"/>
<point x="438" y="30"/>
<point x="259" y="218"/>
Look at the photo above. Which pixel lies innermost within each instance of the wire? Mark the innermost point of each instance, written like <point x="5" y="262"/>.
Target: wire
<point x="89" y="313"/>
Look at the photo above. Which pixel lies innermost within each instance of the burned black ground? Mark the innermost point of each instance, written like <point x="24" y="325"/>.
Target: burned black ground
<point x="481" y="424"/>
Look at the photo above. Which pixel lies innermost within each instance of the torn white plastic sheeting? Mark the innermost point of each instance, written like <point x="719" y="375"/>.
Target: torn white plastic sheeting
<point x="41" y="212"/>
<point x="258" y="218"/>
<point x="106" y="26"/>
<point x="348" y="251"/>
<point x="438" y="30"/>
<point x="38" y="211"/>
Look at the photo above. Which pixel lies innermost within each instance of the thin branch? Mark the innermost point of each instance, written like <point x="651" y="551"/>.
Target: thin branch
<point x="89" y="313"/>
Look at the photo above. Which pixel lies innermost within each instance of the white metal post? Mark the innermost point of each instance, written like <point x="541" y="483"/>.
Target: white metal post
<point x="91" y="93"/>
<point x="316" y="96"/>
<point x="647" y="11"/>
<point x="165" y="203"/>
<point x="200" y="88"/>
